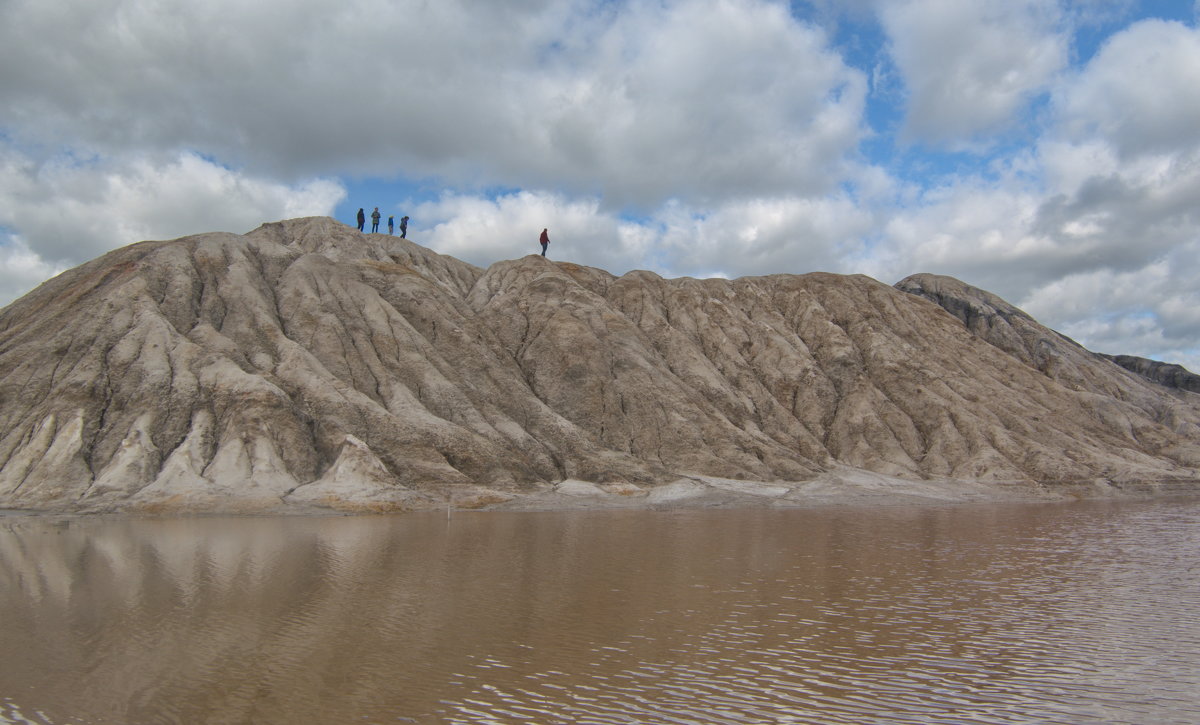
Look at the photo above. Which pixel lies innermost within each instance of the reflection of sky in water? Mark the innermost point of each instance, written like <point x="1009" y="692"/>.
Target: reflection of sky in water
<point x="991" y="613"/>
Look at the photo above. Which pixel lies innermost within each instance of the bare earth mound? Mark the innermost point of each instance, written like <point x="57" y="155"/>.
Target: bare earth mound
<point x="306" y="365"/>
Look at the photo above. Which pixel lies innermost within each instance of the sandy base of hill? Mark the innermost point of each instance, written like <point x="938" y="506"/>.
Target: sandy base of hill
<point x="839" y="487"/>
<point x="842" y="486"/>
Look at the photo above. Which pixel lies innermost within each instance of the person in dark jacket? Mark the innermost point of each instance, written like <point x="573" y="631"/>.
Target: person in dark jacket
<point x="362" y="219"/>
<point x="544" y="239"/>
<point x="404" y="227"/>
<point x="375" y="220"/>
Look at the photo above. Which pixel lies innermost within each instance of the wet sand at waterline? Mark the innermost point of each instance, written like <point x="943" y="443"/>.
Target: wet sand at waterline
<point x="997" y="613"/>
<point x="838" y="487"/>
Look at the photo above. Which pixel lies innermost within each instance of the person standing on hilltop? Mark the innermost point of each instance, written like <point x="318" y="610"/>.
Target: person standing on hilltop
<point x="544" y="239"/>
<point x="404" y="227"/>
<point x="391" y="223"/>
<point x="375" y="220"/>
<point x="362" y="219"/>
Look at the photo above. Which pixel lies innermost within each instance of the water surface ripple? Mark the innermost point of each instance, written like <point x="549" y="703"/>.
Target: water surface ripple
<point x="1073" y="613"/>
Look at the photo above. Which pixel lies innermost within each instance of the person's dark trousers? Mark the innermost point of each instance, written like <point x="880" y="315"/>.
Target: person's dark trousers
<point x="543" y="250"/>
<point x="374" y="227"/>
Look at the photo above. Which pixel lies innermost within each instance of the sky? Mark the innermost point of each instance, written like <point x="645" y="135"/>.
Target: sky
<point x="1047" y="151"/>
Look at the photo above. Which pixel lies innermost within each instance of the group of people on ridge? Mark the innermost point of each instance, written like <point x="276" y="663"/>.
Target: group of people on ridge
<point x="544" y="239"/>
<point x="362" y="220"/>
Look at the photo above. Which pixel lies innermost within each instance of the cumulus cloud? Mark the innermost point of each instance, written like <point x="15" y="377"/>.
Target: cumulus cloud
<point x="690" y="137"/>
<point x="1093" y="230"/>
<point x="1008" y="235"/>
<point x="78" y="209"/>
<point x="971" y="65"/>
<point x="1123" y="166"/>
<point x="21" y="269"/>
<point x="741" y="237"/>
<point x="484" y="230"/>
<point x="1152" y="308"/>
<point x="763" y="236"/>
<point x="978" y="230"/>
<point x="637" y="101"/>
<point x="700" y="101"/>
<point x="1139" y="92"/>
<point x="180" y="117"/>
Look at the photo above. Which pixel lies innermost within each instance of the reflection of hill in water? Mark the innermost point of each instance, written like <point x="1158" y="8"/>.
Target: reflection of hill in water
<point x="837" y="615"/>
<point x="308" y="364"/>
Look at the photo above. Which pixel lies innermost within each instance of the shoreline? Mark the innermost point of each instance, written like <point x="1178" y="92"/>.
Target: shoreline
<point x="845" y="488"/>
<point x="860" y="490"/>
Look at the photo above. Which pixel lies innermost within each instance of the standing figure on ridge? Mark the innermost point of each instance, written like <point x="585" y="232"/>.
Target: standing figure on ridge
<point x="362" y="219"/>
<point x="544" y="239"/>
<point x="391" y="223"/>
<point x="375" y="220"/>
<point x="403" y="227"/>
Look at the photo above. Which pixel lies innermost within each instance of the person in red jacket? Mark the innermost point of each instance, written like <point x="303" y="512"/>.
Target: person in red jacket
<point x="544" y="239"/>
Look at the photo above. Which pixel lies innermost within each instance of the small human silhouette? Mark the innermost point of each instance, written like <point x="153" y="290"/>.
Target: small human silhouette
<point x="544" y="239"/>
<point x="391" y="224"/>
<point x="362" y="219"/>
<point x="404" y="227"/>
<point x="375" y="220"/>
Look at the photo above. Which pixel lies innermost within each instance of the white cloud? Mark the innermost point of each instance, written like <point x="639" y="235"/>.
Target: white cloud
<point x="691" y="137"/>
<point x="1122" y="168"/>
<point x="483" y="231"/>
<point x="1107" y="258"/>
<point x="21" y="269"/>
<point x="1089" y="14"/>
<point x="702" y="100"/>
<point x="1154" y="308"/>
<point x="971" y="66"/>
<point x="1139" y="93"/>
<point x="763" y="236"/>
<point x="1094" y="230"/>
<point x="79" y="209"/>
<point x="760" y="236"/>
<point x="636" y="101"/>
<point x="979" y="231"/>
<point x="729" y="110"/>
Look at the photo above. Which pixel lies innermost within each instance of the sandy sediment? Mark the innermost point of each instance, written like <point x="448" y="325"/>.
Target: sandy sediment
<point x="843" y="487"/>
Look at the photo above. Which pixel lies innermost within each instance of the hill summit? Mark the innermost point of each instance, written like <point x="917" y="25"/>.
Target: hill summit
<point x="306" y="364"/>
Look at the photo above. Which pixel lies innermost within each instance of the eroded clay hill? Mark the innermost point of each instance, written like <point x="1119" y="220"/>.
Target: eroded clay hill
<point x="306" y="363"/>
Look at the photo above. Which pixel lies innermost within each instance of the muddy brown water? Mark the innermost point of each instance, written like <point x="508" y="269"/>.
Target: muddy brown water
<point x="1074" y="613"/>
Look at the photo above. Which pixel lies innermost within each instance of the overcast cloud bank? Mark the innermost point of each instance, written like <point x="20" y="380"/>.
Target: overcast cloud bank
<point x="1046" y="150"/>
